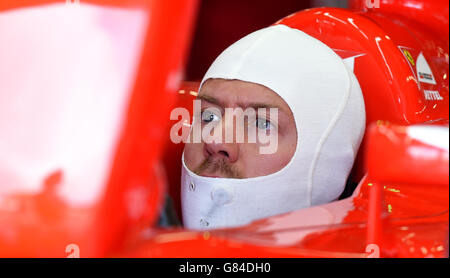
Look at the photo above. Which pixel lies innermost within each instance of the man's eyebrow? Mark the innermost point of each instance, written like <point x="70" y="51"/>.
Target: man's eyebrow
<point x="210" y="99"/>
<point x="254" y="105"/>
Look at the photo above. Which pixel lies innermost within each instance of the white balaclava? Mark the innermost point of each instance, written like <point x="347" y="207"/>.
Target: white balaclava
<point x="328" y="107"/>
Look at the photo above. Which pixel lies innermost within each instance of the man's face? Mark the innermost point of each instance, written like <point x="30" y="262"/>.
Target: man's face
<point x="236" y="159"/>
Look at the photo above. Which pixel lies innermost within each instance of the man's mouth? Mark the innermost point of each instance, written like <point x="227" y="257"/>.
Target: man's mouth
<point x="216" y="169"/>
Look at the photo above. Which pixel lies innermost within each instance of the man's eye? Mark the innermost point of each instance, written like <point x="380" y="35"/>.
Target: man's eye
<point x="208" y="116"/>
<point x="263" y="124"/>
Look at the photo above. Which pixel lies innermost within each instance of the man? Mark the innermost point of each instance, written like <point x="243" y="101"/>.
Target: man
<point x="318" y="127"/>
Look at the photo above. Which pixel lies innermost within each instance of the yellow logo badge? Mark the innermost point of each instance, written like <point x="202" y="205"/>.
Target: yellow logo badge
<point x="409" y="57"/>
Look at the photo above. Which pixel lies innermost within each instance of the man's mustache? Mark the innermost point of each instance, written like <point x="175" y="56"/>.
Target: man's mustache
<point x="218" y="167"/>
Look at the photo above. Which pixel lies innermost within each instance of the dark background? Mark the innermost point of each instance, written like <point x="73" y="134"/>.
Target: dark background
<point x="222" y="22"/>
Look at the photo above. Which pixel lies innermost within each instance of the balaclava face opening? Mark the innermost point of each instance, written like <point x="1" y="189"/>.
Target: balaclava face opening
<point x="328" y="107"/>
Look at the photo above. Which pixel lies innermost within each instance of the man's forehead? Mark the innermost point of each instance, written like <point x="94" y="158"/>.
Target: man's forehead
<point x="228" y="93"/>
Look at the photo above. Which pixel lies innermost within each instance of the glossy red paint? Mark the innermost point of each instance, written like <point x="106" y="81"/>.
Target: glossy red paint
<point x="171" y="157"/>
<point x="395" y="156"/>
<point x="389" y="81"/>
<point x="406" y="155"/>
<point x="433" y="14"/>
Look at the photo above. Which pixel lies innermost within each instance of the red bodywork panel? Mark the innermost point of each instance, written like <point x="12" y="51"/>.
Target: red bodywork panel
<point x="123" y="66"/>
<point x="399" y="209"/>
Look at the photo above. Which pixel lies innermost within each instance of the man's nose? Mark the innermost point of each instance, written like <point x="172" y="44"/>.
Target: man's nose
<point x="227" y="151"/>
<point x="222" y="148"/>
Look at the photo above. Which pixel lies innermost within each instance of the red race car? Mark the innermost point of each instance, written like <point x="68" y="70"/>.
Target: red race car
<point x="86" y="162"/>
